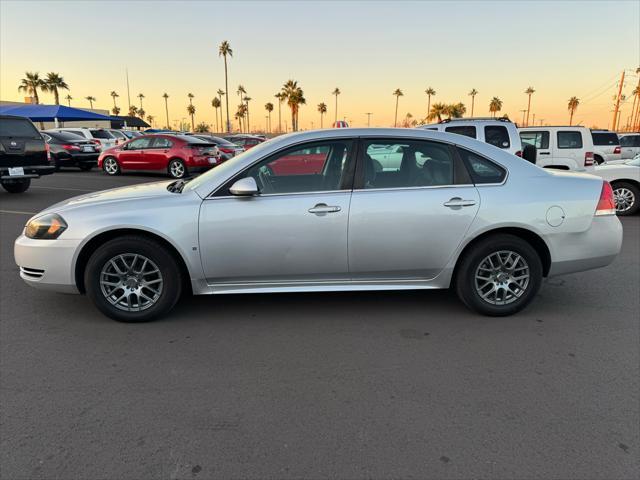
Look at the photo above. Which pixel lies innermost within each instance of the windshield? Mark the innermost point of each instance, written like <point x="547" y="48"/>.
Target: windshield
<point x="226" y="168"/>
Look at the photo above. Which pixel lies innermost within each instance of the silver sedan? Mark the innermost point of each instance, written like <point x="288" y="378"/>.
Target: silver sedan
<point x="324" y="211"/>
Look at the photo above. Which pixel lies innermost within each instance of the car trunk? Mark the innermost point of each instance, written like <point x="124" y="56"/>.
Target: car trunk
<point x="22" y="152"/>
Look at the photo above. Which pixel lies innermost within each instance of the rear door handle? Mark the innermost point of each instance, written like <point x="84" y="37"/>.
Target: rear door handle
<point x="459" y="202"/>
<point x="544" y="153"/>
<point x="321" y="208"/>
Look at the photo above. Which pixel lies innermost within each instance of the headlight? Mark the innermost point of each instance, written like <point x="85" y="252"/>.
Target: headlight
<point x="46" y="227"/>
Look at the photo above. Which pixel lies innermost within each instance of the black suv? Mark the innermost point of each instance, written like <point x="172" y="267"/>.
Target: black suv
<point x="23" y="154"/>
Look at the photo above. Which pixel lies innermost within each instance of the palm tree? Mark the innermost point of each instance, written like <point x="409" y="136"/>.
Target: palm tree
<point x="141" y="96"/>
<point x="166" y="107"/>
<point x="473" y="94"/>
<point x="91" y="100"/>
<point x="224" y="50"/>
<point x="322" y="108"/>
<point x="133" y="110"/>
<point x="430" y="93"/>
<point x="336" y="92"/>
<point x="295" y="97"/>
<point x="572" y="106"/>
<point x="216" y="103"/>
<point x="30" y="84"/>
<point x="68" y="98"/>
<point x="115" y="110"/>
<point x="115" y="95"/>
<point x="406" y="123"/>
<point x="398" y="93"/>
<point x="635" y="110"/>
<point x="269" y="108"/>
<point x="220" y="93"/>
<point x="151" y="119"/>
<point x="280" y="98"/>
<point x="246" y="102"/>
<point x="495" y="105"/>
<point x="455" y="110"/>
<point x="141" y="113"/>
<point x="436" y="112"/>
<point x="529" y="91"/>
<point x="240" y="114"/>
<point x="53" y="83"/>
<point x="191" y="110"/>
<point x="240" y="92"/>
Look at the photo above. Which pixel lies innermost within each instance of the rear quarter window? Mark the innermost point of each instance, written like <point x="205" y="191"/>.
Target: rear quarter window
<point x="497" y="135"/>
<point x="481" y="169"/>
<point x="605" y="139"/>
<point x="466" y="130"/>
<point x="101" y="134"/>
<point x="569" y="140"/>
<point x="537" y="139"/>
<point x="18" y="127"/>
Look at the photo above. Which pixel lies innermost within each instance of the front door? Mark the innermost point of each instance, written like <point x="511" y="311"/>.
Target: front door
<point x="293" y="231"/>
<point x="132" y="155"/>
<point x="405" y="223"/>
<point x="156" y="157"/>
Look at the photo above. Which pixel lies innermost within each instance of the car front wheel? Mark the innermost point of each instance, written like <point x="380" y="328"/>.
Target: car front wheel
<point x="499" y="276"/>
<point x="627" y="198"/>
<point x="110" y="166"/>
<point x="133" y="279"/>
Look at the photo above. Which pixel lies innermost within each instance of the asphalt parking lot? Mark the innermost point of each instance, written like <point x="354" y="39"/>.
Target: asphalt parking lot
<point x="345" y="385"/>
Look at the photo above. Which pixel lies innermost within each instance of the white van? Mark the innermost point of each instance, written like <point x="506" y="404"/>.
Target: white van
<point x="564" y="148"/>
<point x="499" y="132"/>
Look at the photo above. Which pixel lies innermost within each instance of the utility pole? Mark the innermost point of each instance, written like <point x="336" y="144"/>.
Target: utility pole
<point x="523" y="112"/>
<point x="617" y="107"/>
<point x="541" y="121"/>
<point x="368" y="114"/>
<point x="534" y="120"/>
<point x="128" y="96"/>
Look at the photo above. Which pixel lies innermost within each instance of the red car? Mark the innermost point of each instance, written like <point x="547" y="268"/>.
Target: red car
<point x="176" y="155"/>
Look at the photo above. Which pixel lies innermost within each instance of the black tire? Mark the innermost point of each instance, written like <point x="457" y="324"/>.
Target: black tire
<point x="85" y="168"/>
<point x="631" y="193"/>
<point x="469" y="263"/>
<point x="156" y="253"/>
<point x="106" y="166"/>
<point x="530" y="153"/>
<point x="176" y="166"/>
<point x="17" y="186"/>
<point x="598" y="160"/>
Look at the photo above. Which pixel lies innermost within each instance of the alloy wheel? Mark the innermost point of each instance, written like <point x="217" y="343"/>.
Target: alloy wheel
<point x="624" y="199"/>
<point x="111" y="166"/>
<point x="176" y="169"/>
<point x="502" y="277"/>
<point x="131" y="282"/>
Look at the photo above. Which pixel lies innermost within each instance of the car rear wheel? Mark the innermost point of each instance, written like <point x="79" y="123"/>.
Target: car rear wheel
<point x="133" y="279"/>
<point x="16" y="186"/>
<point x="177" y="169"/>
<point x="627" y="198"/>
<point x="499" y="276"/>
<point x="110" y="166"/>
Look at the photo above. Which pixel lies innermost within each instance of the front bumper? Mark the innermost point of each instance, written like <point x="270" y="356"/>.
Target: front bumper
<point x="594" y="248"/>
<point x="47" y="264"/>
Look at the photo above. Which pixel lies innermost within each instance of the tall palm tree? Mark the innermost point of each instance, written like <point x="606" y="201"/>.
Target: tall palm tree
<point x="30" y="84"/>
<point x="455" y="110"/>
<point x="151" y="119"/>
<point x="436" y="112"/>
<point x="295" y="97"/>
<point x="336" y="92"/>
<point x="240" y="114"/>
<point x="495" y="105"/>
<point x="635" y="111"/>
<point x="115" y="95"/>
<point x="430" y="93"/>
<point x="133" y="110"/>
<point x="216" y="103"/>
<point x="572" y="106"/>
<point x="398" y="93"/>
<point x="529" y="91"/>
<point x="68" y="98"/>
<point x="53" y="83"/>
<point x="91" y="100"/>
<point x="191" y="110"/>
<point x="281" y="99"/>
<point x="141" y="113"/>
<point x="269" y="108"/>
<point x="240" y="91"/>
<point x="224" y="50"/>
<point x="141" y="96"/>
<point x="246" y="102"/>
<point x="191" y="97"/>
<point x="220" y="93"/>
<point x="166" y="107"/>
<point x="322" y="108"/>
<point x="473" y="94"/>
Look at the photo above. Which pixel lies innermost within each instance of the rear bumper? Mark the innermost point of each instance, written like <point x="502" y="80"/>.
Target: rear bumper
<point x="47" y="264"/>
<point x="79" y="159"/>
<point x="596" y="247"/>
<point x="30" y="171"/>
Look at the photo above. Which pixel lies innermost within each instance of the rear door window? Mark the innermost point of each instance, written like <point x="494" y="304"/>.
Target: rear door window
<point x="605" y="139"/>
<point x="161" y="142"/>
<point x="497" y="135"/>
<point x="16" y="127"/>
<point x="537" y="139"/>
<point x="568" y="140"/>
<point x="466" y="130"/>
<point x="102" y="134"/>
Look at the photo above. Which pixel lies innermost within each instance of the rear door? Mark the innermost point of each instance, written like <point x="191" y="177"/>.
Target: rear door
<point x="405" y="224"/>
<point x="156" y="156"/>
<point x="570" y="146"/>
<point x="22" y="144"/>
<point x="540" y="140"/>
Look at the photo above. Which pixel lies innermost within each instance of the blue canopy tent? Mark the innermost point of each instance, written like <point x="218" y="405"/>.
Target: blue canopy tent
<point x="51" y="113"/>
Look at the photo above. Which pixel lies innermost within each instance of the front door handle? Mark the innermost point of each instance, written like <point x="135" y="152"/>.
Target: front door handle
<point x="321" y="208"/>
<point x="459" y="202"/>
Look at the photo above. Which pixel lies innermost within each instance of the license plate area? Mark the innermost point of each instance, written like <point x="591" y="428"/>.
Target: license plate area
<point x="16" y="171"/>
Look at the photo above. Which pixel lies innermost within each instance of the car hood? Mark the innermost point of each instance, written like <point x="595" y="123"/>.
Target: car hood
<point x="114" y="195"/>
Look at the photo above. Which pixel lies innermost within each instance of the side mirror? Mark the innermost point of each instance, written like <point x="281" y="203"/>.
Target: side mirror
<point x="244" y="187"/>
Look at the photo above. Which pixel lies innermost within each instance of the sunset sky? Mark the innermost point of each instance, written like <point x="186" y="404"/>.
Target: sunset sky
<point x="367" y="49"/>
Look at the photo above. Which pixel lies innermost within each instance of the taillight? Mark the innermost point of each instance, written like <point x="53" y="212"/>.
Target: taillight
<point x="588" y="159"/>
<point x="617" y="149"/>
<point x="97" y="142"/>
<point x="48" y="150"/>
<point x="519" y="154"/>
<point x="606" y="204"/>
<point x="71" y="147"/>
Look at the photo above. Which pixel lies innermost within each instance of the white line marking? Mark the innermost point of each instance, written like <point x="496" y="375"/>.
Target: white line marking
<point x="16" y="212"/>
<point x="64" y="188"/>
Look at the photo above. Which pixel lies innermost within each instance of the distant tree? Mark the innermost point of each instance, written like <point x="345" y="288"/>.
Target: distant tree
<point x="191" y="110"/>
<point x="201" y="128"/>
<point x="455" y="110"/>
<point x="224" y="50"/>
<point x="30" y="84"/>
<point x="336" y="92"/>
<point x="572" y="106"/>
<point x="133" y="110"/>
<point x="241" y="91"/>
<point x="322" y="108"/>
<point x="406" y="123"/>
<point x="269" y="108"/>
<point x="68" y="98"/>
<point x="473" y="94"/>
<point x="150" y="119"/>
<point x="437" y="111"/>
<point x="216" y="104"/>
<point x="495" y="105"/>
<point x="397" y="93"/>
<point x="114" y="95"/>
<point x="141" y="96"/>
<point x="246" y="102"/>
<point x="430" y="93"/>
<point x="141" y="113"/>
<point x="166" y="107"/>
<point x="281" y="99"/>
<point x="53" y="83"/>
<point x="529" y="91"/>
<point x="91" y="100"/>
<point x="220" y="93"/>
<point x="115" y="110"/>
<point x="295" y="97"/>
